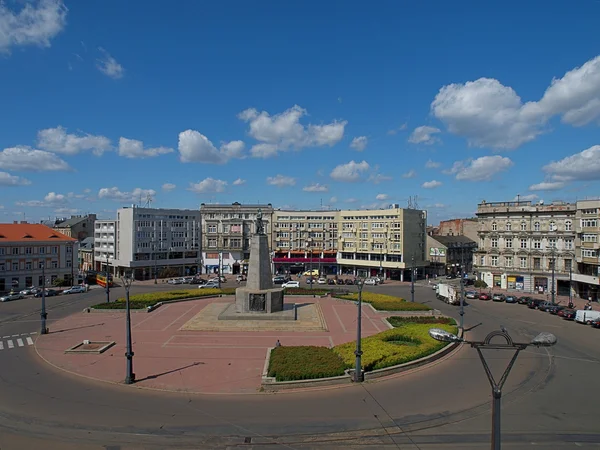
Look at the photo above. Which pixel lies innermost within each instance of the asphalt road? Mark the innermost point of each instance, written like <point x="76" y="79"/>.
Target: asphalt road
<point x="549" y="400"/>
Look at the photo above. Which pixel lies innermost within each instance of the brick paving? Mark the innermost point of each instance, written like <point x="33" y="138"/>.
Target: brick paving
<point x="169" y="358"/>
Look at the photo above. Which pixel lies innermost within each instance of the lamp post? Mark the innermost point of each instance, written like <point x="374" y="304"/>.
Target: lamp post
<point x="541" y="340"/>
<point x="43" y="313"/>
<point x="155" y="271"/>
<point x="220" y="262"/>
<point x="553" y="291"/>
<point x="107" y="280"/>
<point x="309" y="245"/>
<point x="358" y="373"/>
<point x="72" y="265"/>
<point x="130" y="376"/>
<point x="571" y="283"/>
<point x="412" y="279"/>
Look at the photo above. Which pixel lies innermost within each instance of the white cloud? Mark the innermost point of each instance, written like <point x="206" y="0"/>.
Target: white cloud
<point x="431" y="184"/>
<point x="52" y="199"/>
<point x="394" y="131"/>
<point x="74" y="195"/>
<point x="351" y="200"/>
<point x="131" y="148"/>
<point x="316" y="187"/>
<point x="239" y="182"/>
<point x="382" y="197"/>
<point x="87" y="190"/>
<point x="281" y="180"/>
<point x="137" y="195"/>
<point x="208" y="185"/>
<point x="37" y="23"/>
<point x="377" y="178"/>
<point x="424" y="135"/>
<point x="168" y="187"/>
<point x="284" y="131"/>
<point x="359" y="143"/>
<point x="525" y="198"/>
<point x="432" y="164"/>
<point x="349" y="172"/>
<point x="410" y="174"/>
<point x="67" y="211"/>
<point x="547" y="186"/>
<point x="490" y="114"/>
<point x="580" y="166"/>
<point x="26" y="159"/>
<point x="195" y="147"/>
<point x="109" y="65"/>
<point x="57" y="140"/>
<point x="6" y="179"/>
<point x="333" y="200"/>
<point x="480" y="169"/>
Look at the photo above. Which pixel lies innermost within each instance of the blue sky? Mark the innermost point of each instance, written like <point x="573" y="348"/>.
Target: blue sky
<point x="298" y="104"/>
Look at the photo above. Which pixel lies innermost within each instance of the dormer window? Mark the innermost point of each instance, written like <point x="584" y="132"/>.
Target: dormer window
<point x="28" y="236"/>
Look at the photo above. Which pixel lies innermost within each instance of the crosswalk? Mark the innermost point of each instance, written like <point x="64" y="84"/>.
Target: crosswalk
<point x="16" y="341"/>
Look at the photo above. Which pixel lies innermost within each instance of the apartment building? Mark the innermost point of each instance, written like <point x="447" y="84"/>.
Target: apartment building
<point x="30" y="251"/>
<point x="386" y="242"/>
<point x="78" y="227"/>
<point x="458" y="227"/>
<point x="587" y="226"/>
<point x="520" y="242"/>
<point x="226" y="232"/>
<point x="105" y="245"/>
<point x="450" y="254"/>
<point x="148" y="241"/>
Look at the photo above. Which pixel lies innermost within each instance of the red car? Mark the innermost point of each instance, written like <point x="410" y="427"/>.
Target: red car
<point x="568" y="314"/>
<point x="484" y="296"/>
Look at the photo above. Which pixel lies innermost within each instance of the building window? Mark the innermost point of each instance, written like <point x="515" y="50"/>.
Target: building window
<point x="15" y="266"/>
<point x="54" y="250"/>
<point x="537" y="244"/>
<point x="15" y="250"/>
<point x="553" y="226"/>
<point x="68" y="263"/>
<point x="523" y="226"/>
<point x="212" y="243"/>
<point x="589" y="223"/>
<point x="551" y="263"/>
<point x="40" y="265"/>
<point x="589" y="238"/>
<point x="494" y="242"/>
<point x="494" y="261"/>
<point x="568" y="265"/>
<point x="28" y="250"/>
<point x="42" y="250"/>
<point x="536" y="226"/>
<point x="54" y="264"/>
<point x="552" y="242"/>
<point x="523" y="243"/>
<point x="482" y="260"/>
<point x="523" y="261"/>
<point x="212" y="229"/>
<point x="494" y="226"/>
<point x="508" y="243"/>
<point x="587" y="253"/>
<point x="508" y="226"/>
<point x="2" y="267"/>
<point x="69" y="249"/>
<point x="568" y="225"/>
<point x="508" y="261"/>
<point x="537" y="263"/>
<point x="28" y="265"/>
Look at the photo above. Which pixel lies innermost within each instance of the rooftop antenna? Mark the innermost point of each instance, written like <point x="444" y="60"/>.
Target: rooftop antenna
<point x="416" y="205"/>
<point x="148" y="201"/>
<point x="518" y="197"/>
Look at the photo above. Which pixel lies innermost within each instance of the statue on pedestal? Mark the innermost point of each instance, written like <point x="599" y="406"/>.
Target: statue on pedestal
<point x="260" y="227"/>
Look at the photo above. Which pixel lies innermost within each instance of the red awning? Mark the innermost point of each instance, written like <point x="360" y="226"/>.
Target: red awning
<point x="305" y="260"/>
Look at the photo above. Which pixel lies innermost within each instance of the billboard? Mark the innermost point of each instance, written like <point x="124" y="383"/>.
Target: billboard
<point x="437" y="251"/>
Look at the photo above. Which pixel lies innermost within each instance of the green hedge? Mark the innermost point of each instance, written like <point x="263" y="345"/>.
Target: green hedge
<point x="302" y="363"/>
<point x="140" y="301"/>
<point x="480" y="284"/>
<point x="313" y="291"/>
<point x="384" y="302"/>
<point x="398" y="321"/>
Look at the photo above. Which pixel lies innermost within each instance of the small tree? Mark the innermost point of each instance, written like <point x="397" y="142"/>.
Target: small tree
<point x="480" y="284"/>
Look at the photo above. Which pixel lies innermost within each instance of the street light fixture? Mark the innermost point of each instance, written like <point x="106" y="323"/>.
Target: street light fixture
<point x="309" y="245"/>
<point x="552" y="253"/>
<point x="43" y="313"/>
<point x="412" y="279"/>
<point x="358" y="373"/>
<point x="155" y="271"/>
<point x="107" y="278"/>
<point x="130" y="377"/>
<point x="543" y="339"/>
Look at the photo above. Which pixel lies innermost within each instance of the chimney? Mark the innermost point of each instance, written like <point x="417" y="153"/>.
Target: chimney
<point x="23" y="221"/>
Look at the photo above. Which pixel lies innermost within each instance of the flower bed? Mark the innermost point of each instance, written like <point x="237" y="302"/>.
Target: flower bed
<point x="398" y="321"/>
<point x="302" y="363"/>
<point x="313" y="291"/>
<point x="140" y="301"/>
<point x="384" y="302"/>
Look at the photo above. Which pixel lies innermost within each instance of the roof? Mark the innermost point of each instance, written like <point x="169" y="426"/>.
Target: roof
<point x="23" y="232"/>
<point x="87" y="244"/>
<point x="71" y="222"/>
<point x="454" y="239"/>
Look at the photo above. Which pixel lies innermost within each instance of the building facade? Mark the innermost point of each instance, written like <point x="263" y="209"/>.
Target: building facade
<point x="226" y="232"/>
<point x="86" y="255"/>
<point x="28" y="252"/>
<point x="458" y="227"/>
<point x="587" y="225"/>
<point x="105" y="245"/>
<point x="436" y="258"/>
<point x="148" y="241"/>
<point x="520" y="243"/>
<point x="454" y="254"/>
<point x="78" y="227"/>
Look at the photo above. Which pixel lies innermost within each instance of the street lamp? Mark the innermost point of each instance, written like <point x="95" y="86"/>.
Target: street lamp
<point x="552" y="253"/>
<point x="154" y="254"/>
<point x="44" y="314"/>
<point x="358" y="373"/>
<point x="309" y="244"/>
<point x="412" y="279"/>
<point x="130" y="377"/>
<point x="543" y="339"/>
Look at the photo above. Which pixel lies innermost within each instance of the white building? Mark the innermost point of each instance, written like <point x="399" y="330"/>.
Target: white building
<point x="149" y="241"/>
<point x="26" y="247"/>
<point x="104" y="245"/>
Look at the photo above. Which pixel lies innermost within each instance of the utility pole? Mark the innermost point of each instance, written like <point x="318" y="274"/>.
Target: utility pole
<point x="412" y="279"/>
<point x="220" y="261"/>
<point x="155" y="275"/>
<point x="358" y="375"/>
<point x="107" y="279"/>
<point x="570" y="283"/>
<point x="44" y="314"/>
<point x="553" y="291"/>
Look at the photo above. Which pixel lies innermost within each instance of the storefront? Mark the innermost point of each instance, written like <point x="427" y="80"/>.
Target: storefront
<point x="497" y="280"/>
<point x="540" y="284"/>
<point x="515" y="282"/>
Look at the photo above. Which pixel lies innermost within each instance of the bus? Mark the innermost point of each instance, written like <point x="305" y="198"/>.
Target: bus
<point x="101" y="280"/>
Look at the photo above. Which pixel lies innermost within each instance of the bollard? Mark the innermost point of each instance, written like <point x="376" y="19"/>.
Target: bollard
<point x="295" y="311"/>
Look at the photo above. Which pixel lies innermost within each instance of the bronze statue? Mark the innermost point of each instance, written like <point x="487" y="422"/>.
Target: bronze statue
<point x="260" y="227"/>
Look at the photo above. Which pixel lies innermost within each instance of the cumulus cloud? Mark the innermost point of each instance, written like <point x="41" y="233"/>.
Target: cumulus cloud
<point x="333" y="200"/>
<point x="377" y="178"/>
<point x="195" y="147"/>
<point x="359" y="143"/>
<point x="394" y="131"/>
<point x="137" y="195"/>
<point x="131" y="148"/>
<point x="6" y="179"/>
<point x="208" y="185"/>
<point x="284" y="131"/>
<point x="432" y="164"/>
<point x="382" y="197"/>
<point x="37" y="23"/>
<point x="316" y="187"/>
<point x="239" y="182"/>
<point x="26" y="159"/>
<point x="490" y="114"/>
<point x="525" y="198"/>
<point x="547" y="186"/>
<point x="168" y="187"/>
<point x="424" y="135"/>
<point x="410" y="174"/>
<point x="57" y="140"/>
<point x="480" y="169"/>
<point x="431" y="184"/>
<point x="349" y="172"/>
<point x="109" y="65"/>
<point x="584" y="165"/>
<point x="52" y="199"/>
<point x="281" y="180"/>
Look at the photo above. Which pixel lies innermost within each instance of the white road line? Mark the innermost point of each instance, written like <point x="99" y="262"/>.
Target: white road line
<point x="33" y="332"/>
<point x="24" y="334"/>
<point x="10" y="344"/>
<point x="29" y="341"/>
<point x="20" y="342"/>
<point x="4" y="337"/>
<point x="15" y="335"/>
<point x="1" y="345"/>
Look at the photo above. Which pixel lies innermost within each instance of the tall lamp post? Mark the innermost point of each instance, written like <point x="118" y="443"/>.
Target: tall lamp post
<point x="107" y="280"/>
<point x="130" y="376"/>
<point x="553" y="290"/>
<point x="155" y="271"/>
<point x="541" y="340"/>
<point x="571" y="283"/>
<point x="43" y="313"/>
<point x="412" y="279"/>
<point x="462" y="292"/>
<point x="309" y="245"/>
<point x="358" y="373"/>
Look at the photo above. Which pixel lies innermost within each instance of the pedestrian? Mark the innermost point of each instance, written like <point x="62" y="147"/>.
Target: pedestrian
<point x="277" y="344"/>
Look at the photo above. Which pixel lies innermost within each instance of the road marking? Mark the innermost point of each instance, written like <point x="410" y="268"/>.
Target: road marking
<point x="10" y="344"/>
<point x="33" y="332"/>
<point x="1" y="345"/>
<point x="29" y="341"/>
<point x="20" y="342"/>
<point x="15" y="335"/>
<point x="24" y="334"/>
<point x="337" y="316"/>
<point x="4" y="337"/>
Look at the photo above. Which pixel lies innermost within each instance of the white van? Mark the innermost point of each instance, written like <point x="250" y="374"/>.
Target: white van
<point x="587" y="317"/>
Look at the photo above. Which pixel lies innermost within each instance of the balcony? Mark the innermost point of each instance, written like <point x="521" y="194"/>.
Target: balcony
<point x="591" y="245"/>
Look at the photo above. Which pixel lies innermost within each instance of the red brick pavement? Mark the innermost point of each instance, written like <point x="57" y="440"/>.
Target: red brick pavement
<point x="192" y="361"/>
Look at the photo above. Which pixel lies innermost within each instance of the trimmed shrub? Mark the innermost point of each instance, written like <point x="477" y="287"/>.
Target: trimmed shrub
<point x="480" y="284"/>
<point x="398" y="321"/>
<point x="139" y="301"/>
<point x="306" y="291"/>
<point x="302" y="363"/>
<point x="384" y="302"/>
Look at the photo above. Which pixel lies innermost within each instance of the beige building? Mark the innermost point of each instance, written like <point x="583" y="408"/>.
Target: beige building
<point x="458" y="227"/>
<point x="587" y="227"/>
<point x="78" y="227"/>
<point x="519" y="242"/>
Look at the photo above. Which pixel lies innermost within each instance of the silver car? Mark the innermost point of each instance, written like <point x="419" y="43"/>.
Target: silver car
<point x="12" y="296"/>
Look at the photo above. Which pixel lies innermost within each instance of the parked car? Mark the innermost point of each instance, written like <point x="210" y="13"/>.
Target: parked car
<point x="555" y="309"/>
<point x="596" y="323"/>
<point x="484" y="296"/>
<point x="544" y="306"/>
<point x="313" y="273"/>
<point x="29" y="291"/>
<point x="586" y="316"/>
<point x="371" y="282"/>
<point x="74" y="290"/>
<point x="278" y="280"/>
<point x="322" y="281"/>
<point x="197" y="280"/>
<point x="523" y="300"/>
<point x="291" y="284"/>
<point x="216" y="279"/>
<point x="348" y="281"/>
<point x="330" y="281"/>
<point x="434" y="286"/>
<point x="176" y="281"/>
<point x="498" y="297"/>
<point x="511" y="299"/>
<point x="188" y="280"/>
<point x="11" y="296"/>
<point x="49" y="293"/>
<point x="469" y="282"/>
<point x="568" y="314"/>
<point x="240" y="278"/>
<point x="209" y="285"/>
<point x="471" y="294"/>
<point x="534" y="303"/>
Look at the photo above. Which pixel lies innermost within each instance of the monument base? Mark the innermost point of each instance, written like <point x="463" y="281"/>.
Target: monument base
<point x="258" y="301"/>
<point x="231" y="313"/>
